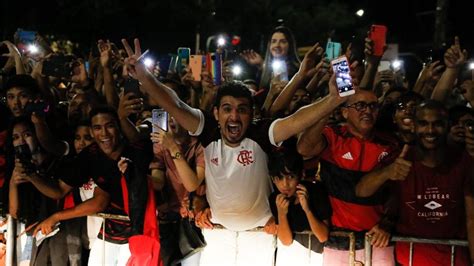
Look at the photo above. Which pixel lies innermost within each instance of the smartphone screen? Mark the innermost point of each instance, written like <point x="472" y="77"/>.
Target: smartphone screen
<point x="195" y="62"/>
<point x="159" y="118"/>
<point x="131" y="85"/>
<point x="26" y="36"/>
<point x="383" y="65"/>
<point x="173" y="63"/>
<point x="343" y="77"/>
<point x="183" y="58"/>
<point x="377" y="35"/>
<point x="333" y="50"/>
<point x="215" y="67"/>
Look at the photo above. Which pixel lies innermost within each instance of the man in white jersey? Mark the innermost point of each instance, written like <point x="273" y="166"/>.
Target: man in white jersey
<point x="237" y="179"/>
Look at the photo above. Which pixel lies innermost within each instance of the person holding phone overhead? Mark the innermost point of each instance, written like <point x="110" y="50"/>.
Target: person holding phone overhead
<point x="347" y="152"/>
<point x="281" y="49"/>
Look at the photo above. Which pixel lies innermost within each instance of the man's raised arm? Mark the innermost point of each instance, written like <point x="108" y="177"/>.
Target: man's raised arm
<point x="308" y="115"/>
<point x="185" y="115"/>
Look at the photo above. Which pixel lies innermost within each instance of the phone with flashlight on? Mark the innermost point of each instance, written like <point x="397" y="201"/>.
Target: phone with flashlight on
<point x="159" y="119"/>
<point x="342" y="70"/>
<point x="280" y="69"/>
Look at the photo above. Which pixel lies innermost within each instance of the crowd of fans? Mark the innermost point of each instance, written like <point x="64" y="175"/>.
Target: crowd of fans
<point x="282" y="151"/>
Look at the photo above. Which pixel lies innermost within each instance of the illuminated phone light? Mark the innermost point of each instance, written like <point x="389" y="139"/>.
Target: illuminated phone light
<point x="471" y="66"/>
<point x="396" y="64"/>
<point x="221" y="41"/>
<point x="360" y="12"/>
<point x="33" y="49"/>
<point x="148" y="62"/>
<point x="277" y="65"/>
<point x="236" y="70"/>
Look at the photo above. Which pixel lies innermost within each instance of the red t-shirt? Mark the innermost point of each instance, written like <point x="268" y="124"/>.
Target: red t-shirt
<point x="431" y="205"/>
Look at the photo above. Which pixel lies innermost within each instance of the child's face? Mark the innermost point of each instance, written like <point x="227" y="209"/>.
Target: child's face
<point x="286" y="184"/>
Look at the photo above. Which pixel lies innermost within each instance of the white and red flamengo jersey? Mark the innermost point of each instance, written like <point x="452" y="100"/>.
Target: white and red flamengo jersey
<point x="237" y="179"/>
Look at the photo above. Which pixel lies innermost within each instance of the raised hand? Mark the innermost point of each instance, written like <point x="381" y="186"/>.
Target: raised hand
<point x="13" y="51"/>
<point x="369" y="52"/>
<point x="105" y="50"/>
<point x="455" y="57"/>
<point x="310" y="61"/>
<point x="133" y="66"/>
<point x="19" y="175"/>
<point x="399" y="169"/>
<point x="165" y="139"/>
<point x="252" y="58"/>
<point x="282" y="204"/>
<point x="277" y="85"/>
<point x="128" y="105"/>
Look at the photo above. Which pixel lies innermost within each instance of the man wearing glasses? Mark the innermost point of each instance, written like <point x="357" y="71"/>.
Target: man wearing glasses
<point x="347" y="152"/>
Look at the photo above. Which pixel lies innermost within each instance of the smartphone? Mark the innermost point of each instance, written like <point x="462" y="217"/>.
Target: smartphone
<point x="195" y="62"/>
<point x="341" y="69"/>
<point x="132" y="85"/>
<point x="383" y="66"/>
<point x="26" y="36"/>
<point x="280" y="68"/>
<point x="59" y="66"/>
<point x="40" y="108"/>
<point x="378" y="36"/>
<point x="159" y="118"/>
<point x="173" y="63"/>
<point x="214" y="67"/>
<point x="23" y="153"/>
<point x="183" y="59"/>
<point x="333" y="50"/>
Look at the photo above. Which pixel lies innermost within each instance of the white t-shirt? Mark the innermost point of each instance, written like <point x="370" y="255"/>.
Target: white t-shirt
<point x="237" y="179"/>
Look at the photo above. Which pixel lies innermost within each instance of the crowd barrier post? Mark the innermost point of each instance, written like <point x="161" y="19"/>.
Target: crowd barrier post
<point x="11" y="240"/>
<point x="412" y="240"/>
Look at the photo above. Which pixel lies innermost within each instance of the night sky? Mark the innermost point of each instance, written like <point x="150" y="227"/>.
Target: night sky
<point x="165" y="25"/>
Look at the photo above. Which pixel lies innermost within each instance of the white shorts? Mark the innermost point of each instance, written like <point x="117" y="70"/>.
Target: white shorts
<point x="230" y="248"/>
<point x="115" y="254"/>
<point x="297" y="255"/>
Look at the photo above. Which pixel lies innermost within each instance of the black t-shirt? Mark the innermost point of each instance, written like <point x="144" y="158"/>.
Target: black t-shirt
<point x="93" y="163"/>
<point x="319" y="205"/>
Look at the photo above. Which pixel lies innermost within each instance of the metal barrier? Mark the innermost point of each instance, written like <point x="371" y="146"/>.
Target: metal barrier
<point x="449" y="242"/>
<point x="11" y="227"/>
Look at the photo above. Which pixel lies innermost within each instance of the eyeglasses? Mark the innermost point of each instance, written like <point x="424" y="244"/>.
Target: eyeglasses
<point x="362" y="106"/>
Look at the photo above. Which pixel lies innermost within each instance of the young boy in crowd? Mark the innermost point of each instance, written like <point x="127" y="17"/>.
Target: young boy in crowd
<point x="297" y="206"/>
